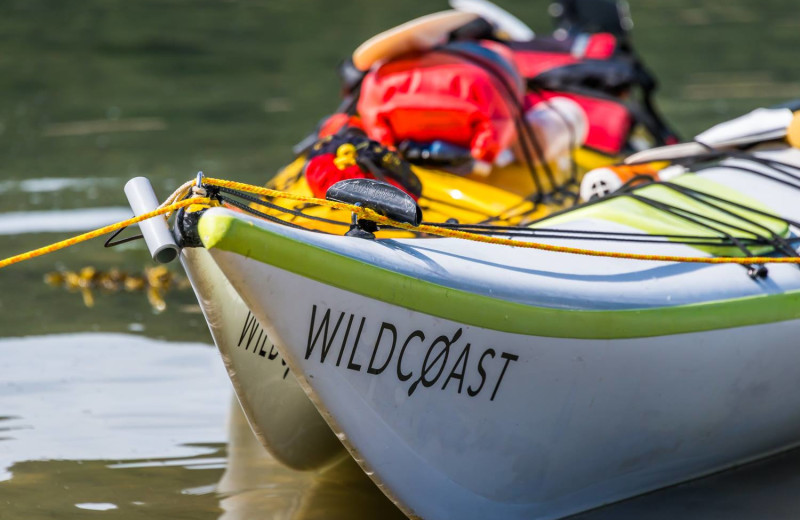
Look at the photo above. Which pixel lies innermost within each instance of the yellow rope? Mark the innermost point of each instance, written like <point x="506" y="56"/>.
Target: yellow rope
<point x="102" y="231"/>
<point x="365" y="213"/>
<point x="453" y="233"/>
<point x="269" y="192"/>
<point x="368" y="214"/>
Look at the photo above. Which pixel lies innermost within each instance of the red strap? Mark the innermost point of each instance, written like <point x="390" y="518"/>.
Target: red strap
<point x="533" y="63"/>
<point x="322" y="173"/>
<point x="336" y="122"/>
<point x="601" y="46"/>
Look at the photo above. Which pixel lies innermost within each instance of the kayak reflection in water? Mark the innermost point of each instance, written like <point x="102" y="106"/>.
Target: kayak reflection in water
<point x="255" y="485"/>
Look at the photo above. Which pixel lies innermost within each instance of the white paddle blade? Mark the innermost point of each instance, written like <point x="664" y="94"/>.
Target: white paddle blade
<point x="762" y="124"/>
<point x="501" y="19"/>
<point x="672" y="152"/>
<point x="419" y="34"/>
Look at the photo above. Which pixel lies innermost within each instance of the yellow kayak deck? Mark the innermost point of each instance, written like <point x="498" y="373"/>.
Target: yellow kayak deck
<point x="504" y="197"/>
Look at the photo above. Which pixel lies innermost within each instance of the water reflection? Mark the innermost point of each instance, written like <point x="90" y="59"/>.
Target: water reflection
<point x="108" y="397"/>
<point x="77" y="406"/>
<point x="769" y="489"/>
<point x="66" y="488"/>
<point x="75" y="220"/>
<point x="254" y="485"/>
<point x="131" y="426"/>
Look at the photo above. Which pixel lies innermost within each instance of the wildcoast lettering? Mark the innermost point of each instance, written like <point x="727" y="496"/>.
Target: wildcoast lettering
<point x="451" y="363"/>
<point x="253" y="335"/>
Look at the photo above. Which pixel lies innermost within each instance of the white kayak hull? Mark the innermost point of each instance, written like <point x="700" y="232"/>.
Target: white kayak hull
<point x="457" y="419"/>
<point x="284" y="420"/>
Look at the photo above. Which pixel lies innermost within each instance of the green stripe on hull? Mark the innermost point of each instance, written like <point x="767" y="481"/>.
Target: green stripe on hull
<point x="228" y="233"/>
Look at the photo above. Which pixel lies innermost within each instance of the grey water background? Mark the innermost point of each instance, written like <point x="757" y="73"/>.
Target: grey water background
<point x="119" y="410"/>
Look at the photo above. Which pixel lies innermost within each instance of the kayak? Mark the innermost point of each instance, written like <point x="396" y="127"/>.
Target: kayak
<point x="472" y="379"/>
<point x="282" y="417"/>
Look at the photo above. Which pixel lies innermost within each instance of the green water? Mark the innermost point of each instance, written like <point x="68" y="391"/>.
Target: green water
<point x="93" y="93"/>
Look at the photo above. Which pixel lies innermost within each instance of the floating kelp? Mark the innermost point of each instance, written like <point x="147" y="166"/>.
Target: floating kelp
<point x="155" y="281"/>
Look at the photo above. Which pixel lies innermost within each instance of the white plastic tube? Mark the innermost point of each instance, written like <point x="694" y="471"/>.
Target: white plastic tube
<point x="157" y="235"/>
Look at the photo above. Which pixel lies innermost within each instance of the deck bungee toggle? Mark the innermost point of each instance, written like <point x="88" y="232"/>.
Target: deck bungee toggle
<point x="379" y="197"/>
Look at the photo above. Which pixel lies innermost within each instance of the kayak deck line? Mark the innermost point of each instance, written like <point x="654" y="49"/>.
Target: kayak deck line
<point x="198" y="198"/>
<point x="433" y="229"/>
